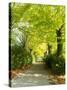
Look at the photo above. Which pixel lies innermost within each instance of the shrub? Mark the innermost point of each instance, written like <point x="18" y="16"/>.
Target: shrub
<point x="20" y="57"/>
<point x="56" y="64"/>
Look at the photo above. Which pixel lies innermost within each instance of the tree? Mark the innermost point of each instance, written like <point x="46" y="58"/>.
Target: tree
<point x="59" y="40"/>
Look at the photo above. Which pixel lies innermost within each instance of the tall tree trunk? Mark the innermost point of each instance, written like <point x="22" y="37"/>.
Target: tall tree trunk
<point x="59" y="41"/>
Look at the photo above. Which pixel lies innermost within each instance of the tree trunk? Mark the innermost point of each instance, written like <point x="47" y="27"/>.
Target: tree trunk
<point x="59" y="41"/>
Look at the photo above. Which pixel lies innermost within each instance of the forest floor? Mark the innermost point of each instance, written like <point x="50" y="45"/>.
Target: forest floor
<point x="36" y="75"/>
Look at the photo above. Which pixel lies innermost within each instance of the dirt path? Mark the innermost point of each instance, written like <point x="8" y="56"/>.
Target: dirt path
<point x="37" y="75"/>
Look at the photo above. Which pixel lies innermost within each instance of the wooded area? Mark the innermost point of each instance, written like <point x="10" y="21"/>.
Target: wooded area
<point x="37" y="34"/>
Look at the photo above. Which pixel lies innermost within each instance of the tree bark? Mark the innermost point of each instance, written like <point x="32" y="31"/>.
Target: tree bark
<point x="59" y="40"/>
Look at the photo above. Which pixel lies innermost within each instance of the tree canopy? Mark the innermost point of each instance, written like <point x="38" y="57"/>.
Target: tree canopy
<point x="38" y="22"/>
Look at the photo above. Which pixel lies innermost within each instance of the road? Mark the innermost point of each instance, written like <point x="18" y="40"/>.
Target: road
<point x="37" y="75"/>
